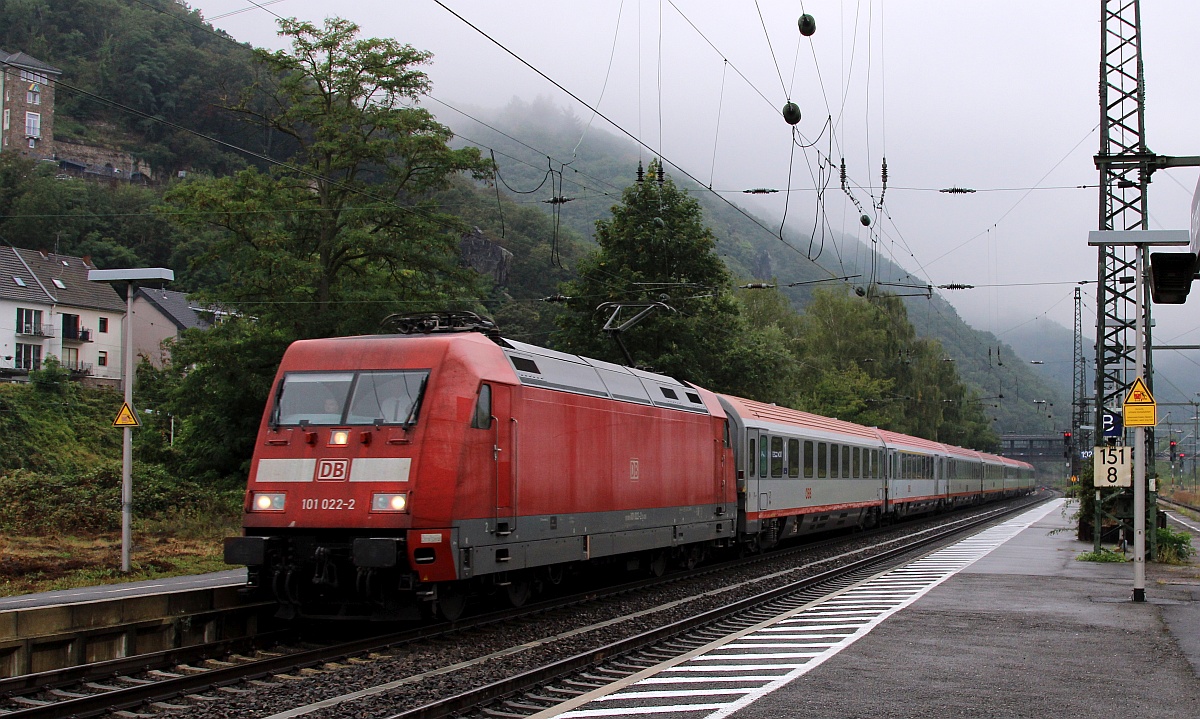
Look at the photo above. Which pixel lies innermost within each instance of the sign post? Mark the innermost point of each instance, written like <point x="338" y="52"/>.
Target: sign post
<point x="126" y="419"/>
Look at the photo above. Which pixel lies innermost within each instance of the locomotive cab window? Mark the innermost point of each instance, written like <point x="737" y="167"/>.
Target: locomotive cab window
<point x="482" y="418"/>
<point x="332" y="398"/>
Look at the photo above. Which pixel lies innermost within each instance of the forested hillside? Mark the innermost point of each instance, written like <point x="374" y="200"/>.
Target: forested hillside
<point x="591" y="166"/>
<point x="364" y="220"/>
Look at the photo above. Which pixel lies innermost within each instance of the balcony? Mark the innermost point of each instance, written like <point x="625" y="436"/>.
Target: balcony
<point x="78" y="369"/>
<point x="76" y="334"/>
<point x="32" y="330"/>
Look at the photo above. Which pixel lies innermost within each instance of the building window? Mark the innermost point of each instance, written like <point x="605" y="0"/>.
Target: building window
<point x="20" y="282"/>
<point x="58" y="283"/>
<point x="29" y="322"/>
<point x="104" y="324"/>
<point x="28" y="356"/>
<point x="31" y="76"/>
<point x="102" y="359"/>
<point x="33" y="97"/>
<point x="33" y="124"/>
<point x="7" y="118"/>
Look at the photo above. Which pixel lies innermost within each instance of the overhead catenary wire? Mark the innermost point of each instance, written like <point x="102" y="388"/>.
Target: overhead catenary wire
<point x="623" y="131"/>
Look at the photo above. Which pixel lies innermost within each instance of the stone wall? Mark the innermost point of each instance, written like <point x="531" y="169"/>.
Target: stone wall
<point x="99" y="158"/>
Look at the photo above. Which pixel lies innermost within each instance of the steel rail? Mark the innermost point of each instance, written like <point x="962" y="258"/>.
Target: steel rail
<point x="127" y="698"/>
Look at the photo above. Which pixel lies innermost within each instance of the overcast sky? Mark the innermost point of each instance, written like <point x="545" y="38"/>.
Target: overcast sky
<point x="995" y="96"/>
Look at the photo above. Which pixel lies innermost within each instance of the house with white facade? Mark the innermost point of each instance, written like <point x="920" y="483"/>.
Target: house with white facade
<point x="48" y="307"/>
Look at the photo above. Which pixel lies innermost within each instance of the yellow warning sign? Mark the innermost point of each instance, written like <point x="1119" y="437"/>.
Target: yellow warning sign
<point x="1139" y="393"/>
<point x="126" y="417"/>
<point x="1140" y="408"/>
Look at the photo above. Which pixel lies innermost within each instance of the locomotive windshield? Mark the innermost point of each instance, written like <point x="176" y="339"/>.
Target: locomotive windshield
<point x="380" y="397"/>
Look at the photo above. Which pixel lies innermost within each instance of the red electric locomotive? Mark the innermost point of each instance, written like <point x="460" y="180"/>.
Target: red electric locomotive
<point x="399" y="473"/>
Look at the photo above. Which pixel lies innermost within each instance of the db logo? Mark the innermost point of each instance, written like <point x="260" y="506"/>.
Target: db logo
<point x="635" y="471"/>
<point x="333" y="470"/>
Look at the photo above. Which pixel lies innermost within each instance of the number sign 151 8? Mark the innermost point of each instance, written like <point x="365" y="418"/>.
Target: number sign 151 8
<point x="1113" y="467"/>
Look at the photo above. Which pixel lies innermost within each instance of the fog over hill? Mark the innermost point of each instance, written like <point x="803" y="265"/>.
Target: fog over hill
<point x="588" y="167"/>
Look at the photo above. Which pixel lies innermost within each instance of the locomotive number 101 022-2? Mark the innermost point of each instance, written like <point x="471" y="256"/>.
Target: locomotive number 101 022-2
<point x="327" y="504"/>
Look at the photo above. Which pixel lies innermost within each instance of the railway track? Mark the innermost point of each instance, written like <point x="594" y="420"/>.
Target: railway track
<point x="1179" y="505"/>
<point x="207" y="675"/>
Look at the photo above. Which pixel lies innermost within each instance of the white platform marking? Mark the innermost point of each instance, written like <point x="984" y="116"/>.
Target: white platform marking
<point x="857" y="610"/>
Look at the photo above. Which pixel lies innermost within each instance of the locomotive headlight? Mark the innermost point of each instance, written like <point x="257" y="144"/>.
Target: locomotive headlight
<point x="389" y="502"/>
<point x="339" y="436"/>
<point x="267" y="502"/>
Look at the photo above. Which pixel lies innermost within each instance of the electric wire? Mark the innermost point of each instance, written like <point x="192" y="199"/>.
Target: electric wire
<point x="625" y="132"/>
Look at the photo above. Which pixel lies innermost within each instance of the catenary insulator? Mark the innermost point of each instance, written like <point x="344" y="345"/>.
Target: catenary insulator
<point x="808" y="25"/>
<point x="791" y="113"/>
<point x="865" y="220"/>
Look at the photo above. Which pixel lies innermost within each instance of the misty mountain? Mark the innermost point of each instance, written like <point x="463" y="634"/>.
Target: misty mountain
<point x="551" y="159"/>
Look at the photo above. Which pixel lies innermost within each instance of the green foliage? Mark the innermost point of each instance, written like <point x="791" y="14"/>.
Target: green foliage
<point x="655" y="248"/>
<point x="56" y="432"/>
<point x="52" y="378"/>
<point x="216" y="387"/>
<point x="115" y="225"/>
<point x="1174" y="547"/>
<point x="89" y="502"/>
<point x="1104" y="555"/>
<point x="346" y="233"/>
<point x="154" y="55"/>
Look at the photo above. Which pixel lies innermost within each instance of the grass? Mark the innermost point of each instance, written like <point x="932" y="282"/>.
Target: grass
<point x="1104" y="555"/>
<point x="31" y="564"/>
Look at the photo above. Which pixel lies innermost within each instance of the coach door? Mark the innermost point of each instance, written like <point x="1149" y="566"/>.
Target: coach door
<point x="504" y="448"/>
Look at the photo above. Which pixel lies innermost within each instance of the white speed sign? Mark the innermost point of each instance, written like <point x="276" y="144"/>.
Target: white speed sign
<point x="1113" y="467"/>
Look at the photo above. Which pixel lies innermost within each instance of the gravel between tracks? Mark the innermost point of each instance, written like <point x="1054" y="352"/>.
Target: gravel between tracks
<point x="518" y="647"/>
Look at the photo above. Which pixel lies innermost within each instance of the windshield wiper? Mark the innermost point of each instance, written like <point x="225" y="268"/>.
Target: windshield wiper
<point x="411" y="419"/>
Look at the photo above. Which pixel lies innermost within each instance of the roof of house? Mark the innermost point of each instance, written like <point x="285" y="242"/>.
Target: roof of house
<point x="38" y="277"/>
<point x="175" y="305"/>
<point x="28" y="62"/>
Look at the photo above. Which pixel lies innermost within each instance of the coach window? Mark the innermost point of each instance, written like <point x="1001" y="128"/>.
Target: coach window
<point x="793" y="463"/>
<point x="482" y="418"/>
<point x="750" y="444"/>
<point x="822" y="460"/>
<point x="762" y="455"/>
<point x="777" y="457"/>
<point x="809" y="454"/>
<point x="857" y="455"/>
<point x="845" y="460"/>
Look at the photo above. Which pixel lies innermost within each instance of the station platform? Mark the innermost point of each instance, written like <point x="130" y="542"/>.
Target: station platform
<point x="124" y="590"/>
<point x="1003" y="624"/>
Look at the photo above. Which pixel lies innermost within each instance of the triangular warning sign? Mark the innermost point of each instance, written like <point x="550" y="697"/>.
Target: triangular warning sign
<point x="1139" y="393"/>
<point x="126" y="417"/>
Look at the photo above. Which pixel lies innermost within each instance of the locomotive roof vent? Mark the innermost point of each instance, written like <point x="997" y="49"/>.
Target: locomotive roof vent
<point x="440" y="323"/>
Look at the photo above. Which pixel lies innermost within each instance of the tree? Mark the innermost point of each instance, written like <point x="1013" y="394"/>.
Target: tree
<point x="328" y="243"/>
<point x="656" y="249"/>
<point x="347" y="221"/>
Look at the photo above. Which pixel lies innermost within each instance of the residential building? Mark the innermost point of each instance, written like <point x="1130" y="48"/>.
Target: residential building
<point x="27" y="105"/>
<point x="160" y="315"/>
<point x="48" y="307"/>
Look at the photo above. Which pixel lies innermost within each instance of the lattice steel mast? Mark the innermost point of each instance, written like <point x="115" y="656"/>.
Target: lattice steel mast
<point x="1125" y="166"/>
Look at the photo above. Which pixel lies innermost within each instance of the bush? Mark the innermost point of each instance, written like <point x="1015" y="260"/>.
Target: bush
<point x="1104" y="555"/>
<point x="1174" y="547"/>
<point x="90" y="503"/>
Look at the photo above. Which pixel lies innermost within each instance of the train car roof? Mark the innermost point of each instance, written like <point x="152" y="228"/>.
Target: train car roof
<point x="895" y="439"/>
<point x="796" y="418"/>
<point x="542" y="367"/>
